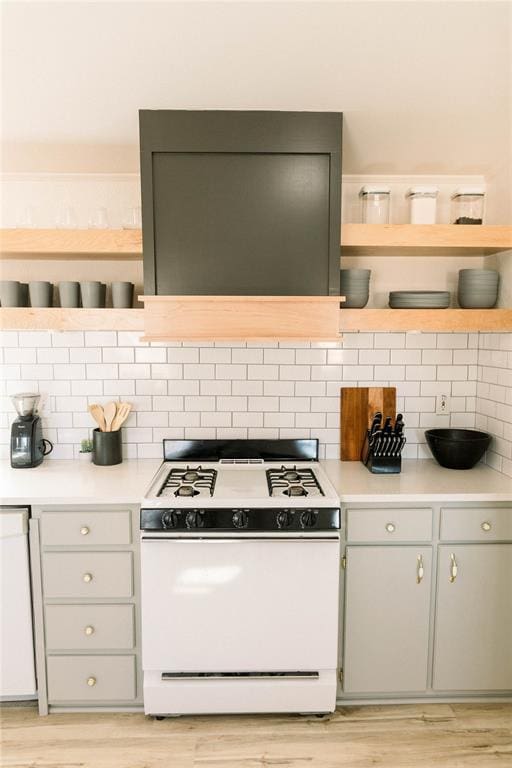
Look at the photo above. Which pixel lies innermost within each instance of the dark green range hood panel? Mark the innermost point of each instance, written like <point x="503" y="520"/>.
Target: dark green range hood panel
<point x="241" y="203"/>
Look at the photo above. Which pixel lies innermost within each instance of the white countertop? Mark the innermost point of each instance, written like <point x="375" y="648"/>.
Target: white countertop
<point x="81" y="482"/>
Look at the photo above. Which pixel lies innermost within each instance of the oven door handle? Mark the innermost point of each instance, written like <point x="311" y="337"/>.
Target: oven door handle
<point x="234" y="540"/>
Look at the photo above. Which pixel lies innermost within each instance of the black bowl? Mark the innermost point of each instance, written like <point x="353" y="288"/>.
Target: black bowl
<point x="457" y="448"/>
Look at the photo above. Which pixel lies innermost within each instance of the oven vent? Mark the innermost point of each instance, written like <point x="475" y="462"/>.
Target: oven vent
<point x="240" y="675"/>
<point x="241" y="461"/>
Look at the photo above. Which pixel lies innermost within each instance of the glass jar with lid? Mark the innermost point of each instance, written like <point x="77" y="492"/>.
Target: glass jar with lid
<point x="375" y="200"/>
<point x="468" y="205"/>
<point x="422" y="204"/>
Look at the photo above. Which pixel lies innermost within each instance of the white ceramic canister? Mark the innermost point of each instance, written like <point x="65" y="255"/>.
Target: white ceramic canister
<point x="422" y="204"/>
<point x="375" y="200"/>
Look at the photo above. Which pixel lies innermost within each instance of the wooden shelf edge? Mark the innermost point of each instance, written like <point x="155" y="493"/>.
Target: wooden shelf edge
<point x="59" y="319"/>
<point x="44" y="243"/>
<point x="425" y="239"/>
<point x="437" y="320"/>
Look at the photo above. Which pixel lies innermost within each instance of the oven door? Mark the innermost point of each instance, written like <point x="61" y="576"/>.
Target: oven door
<point x="222" y="605"/>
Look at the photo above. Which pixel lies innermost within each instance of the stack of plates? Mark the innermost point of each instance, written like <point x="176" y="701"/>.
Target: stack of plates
<point x="419" y="299"/>
<point x="355" y="286"/>
<point x="478" y="288"/>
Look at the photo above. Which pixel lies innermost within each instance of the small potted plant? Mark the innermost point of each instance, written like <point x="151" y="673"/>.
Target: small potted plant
<point x="86" y="449"/>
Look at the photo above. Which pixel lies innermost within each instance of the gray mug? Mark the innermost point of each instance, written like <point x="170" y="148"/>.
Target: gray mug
<point x="69" y="293"/>
<point x="41" y="293"/>
<point x="122" y="295"/>
<point x="10" y="293"/>
<point x="93" y="294"/>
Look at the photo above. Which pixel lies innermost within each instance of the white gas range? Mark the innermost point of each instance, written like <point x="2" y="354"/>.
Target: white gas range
<point x="240" y="569"/>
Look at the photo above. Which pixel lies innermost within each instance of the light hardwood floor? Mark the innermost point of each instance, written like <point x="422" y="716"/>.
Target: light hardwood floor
<point x="435" y="735"/>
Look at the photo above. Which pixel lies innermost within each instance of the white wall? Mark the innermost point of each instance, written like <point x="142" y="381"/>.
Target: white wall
<point x="425" y="86"/>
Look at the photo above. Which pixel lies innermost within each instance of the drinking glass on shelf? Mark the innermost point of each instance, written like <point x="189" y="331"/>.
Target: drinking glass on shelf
<point x="66" y="218"/>
<point x="133" y="218"/>
<point x="26" y="218"/>
<point x="99" y="219"/>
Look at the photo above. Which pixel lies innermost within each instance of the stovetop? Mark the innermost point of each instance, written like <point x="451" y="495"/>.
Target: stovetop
<point x="248" y="484"/>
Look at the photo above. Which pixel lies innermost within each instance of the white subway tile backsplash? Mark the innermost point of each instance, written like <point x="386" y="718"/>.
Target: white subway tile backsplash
<point x="287" y="389"/>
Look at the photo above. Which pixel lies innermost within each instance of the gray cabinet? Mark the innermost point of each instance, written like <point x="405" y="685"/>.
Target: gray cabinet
<point x="387" y="609"/>
<point x="473" y="630"/>
<point x="85" y="572"/>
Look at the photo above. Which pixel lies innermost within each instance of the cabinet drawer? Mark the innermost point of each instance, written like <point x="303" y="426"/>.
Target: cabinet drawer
<point x="86" y="627"/>
<point x="476" y="524"/>
<point x="85" y="679"/>
<point x="87" y="574"/>
<point x="389" y="525"/>
<point x="86" y="528"/>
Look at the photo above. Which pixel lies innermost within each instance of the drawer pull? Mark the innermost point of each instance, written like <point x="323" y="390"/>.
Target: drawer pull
<point x="84" y="530"/>
<point x="486" y="526"/>
<point x="420" y="570"/>
<point x="390" y="527"/>
<point x="87" y="577"/>
<point x="91" y="681"/>
<point x="89" y="630"/>
<point x="453" y="568"/>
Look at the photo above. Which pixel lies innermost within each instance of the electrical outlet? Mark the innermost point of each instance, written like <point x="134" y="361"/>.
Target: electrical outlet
<point x="442" y="405"/>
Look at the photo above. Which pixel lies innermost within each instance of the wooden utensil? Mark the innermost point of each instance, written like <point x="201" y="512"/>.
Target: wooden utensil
<point x="110" y="412"/>
<point x="123" y="411"/>
<point x="96" y="412"/>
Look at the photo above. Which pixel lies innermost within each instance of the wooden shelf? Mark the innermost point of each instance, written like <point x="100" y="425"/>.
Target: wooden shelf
<point x="57" y="319"/>
<point x="71" y="243"/>
<point x="424" y="239"/>
<point x="437" y="320"/>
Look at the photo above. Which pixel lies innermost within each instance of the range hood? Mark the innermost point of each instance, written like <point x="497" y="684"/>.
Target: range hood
<point x="241" y="203"/>
<point x="241" y="224"/>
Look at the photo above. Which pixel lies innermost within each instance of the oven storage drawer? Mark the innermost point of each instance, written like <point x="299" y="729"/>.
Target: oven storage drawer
<point x="87" y="574"/>
<point x="222" y="595"/>
<point x="476" y="524"/>
<point x="89" y="627"/>
<point x="389" y="525"/>
<point x="90" y="678"/>
<point x="86" y="529"/>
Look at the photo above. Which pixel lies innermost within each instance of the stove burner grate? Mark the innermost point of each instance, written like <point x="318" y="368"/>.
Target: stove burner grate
<point x="190" y="481"/>
<point x="292" y="481"/>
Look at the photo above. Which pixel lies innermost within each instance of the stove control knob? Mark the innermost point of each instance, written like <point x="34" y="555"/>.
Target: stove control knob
<point x="240" y="519"/>
<point x="170" y="519"/>
<point x="308" y="518"/>
<point x="194" y="519"/>
<point x="284" y="518"/>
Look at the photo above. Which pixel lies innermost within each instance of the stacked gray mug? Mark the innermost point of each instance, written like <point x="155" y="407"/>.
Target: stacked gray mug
<point x="355" y="286"/>
<point x="478" y="288"/>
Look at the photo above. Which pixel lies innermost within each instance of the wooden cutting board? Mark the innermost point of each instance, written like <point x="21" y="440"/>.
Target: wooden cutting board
<point x="358" y="407"/>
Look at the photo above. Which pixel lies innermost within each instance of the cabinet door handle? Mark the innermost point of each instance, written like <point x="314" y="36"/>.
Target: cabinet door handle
<point x="486" y="526"/>
<point x="87" y="577"/>
<point x="89" y="631"/>
<point x="91" y="681"/>
<point x="390" y="527"/>
<point x="453" y="568"/>
<point x="84" y="530"/>
<point x="420" y="570"/>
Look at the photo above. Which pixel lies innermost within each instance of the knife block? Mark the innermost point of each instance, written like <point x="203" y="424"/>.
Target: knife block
<point x="358" y="407"/>
<point x="384" y="465"/>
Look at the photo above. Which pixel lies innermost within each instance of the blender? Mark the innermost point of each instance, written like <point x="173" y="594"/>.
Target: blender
<point x="28" y="446"/>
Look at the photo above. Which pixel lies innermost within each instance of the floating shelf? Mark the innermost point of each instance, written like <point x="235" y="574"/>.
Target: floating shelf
<point x="71" y="243"/>
<point x="58" y="319"/>
<point x="433" y="320"/>
<point x="437" y="320"/>
<point x="424" y="239"/>
<point x="357" y="240"/>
